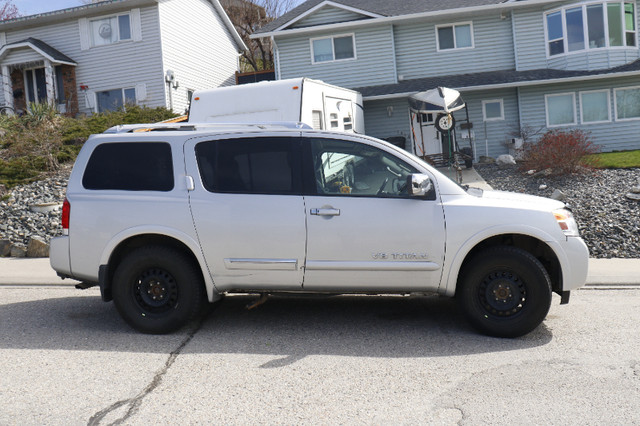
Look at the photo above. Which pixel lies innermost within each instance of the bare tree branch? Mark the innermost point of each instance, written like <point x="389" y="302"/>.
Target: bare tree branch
<point x="8" y="10"/>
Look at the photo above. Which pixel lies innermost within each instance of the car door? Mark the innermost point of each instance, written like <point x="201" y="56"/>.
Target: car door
<point x="364" y="232"/>
<point x="248" y="210"/>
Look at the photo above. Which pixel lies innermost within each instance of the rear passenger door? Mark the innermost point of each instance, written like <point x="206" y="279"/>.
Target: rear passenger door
<point x="248" y="210"/>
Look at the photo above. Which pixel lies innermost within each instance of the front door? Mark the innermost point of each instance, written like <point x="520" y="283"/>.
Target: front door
<point x="424" y="135"/>
<point x="363" y="230"/>
<point x="248" y="211"/>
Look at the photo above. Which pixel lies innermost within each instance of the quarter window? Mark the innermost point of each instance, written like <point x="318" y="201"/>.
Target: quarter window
<point x="591" y="26"/>
<point x="455" y="36"/>
<point x="110" y="30"/>
<point x="627" y="103"/>
<point x="250" y="166"/>
<point x="594" y="106"/>
<point x="335" y="48"/>
<point x="561" y="109"/>
<point x="131" y="166"/>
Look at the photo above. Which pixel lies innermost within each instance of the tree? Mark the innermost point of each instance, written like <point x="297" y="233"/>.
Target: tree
<point x="8" y="10"/>
<point x="247" y="17"/>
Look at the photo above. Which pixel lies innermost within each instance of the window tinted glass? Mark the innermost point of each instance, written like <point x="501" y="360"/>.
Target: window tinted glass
<point x="260" y="165"/>
<point x="575" y="29"/>
<point x="343" y="47"/>
<point x="595" y="106"/>
<point x="595" y="23"/>
<point x="445" y="38"/>
<point x="463" y="36"/>
<point x="614" y="15"/>
<point x="130" y="166"/>
<point x="560" y="110"/>
<point x="125" y="27"/>
<point x="346" y="168"/>
<point x="628" y="103"/>
<point x="322" y="50"/>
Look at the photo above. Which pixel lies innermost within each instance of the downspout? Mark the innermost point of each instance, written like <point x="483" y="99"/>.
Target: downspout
<point x="395" y="58"/>
<point x="276" y="57"/>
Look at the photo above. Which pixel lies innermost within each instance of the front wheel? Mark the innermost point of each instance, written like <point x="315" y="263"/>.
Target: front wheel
<point x="157" y="290"/>
<point x="505" y="292"/>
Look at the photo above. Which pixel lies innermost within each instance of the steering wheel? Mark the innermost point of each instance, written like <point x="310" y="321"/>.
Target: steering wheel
<point x="382" y="186"/>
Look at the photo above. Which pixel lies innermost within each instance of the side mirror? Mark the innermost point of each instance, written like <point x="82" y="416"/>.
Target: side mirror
<point x="419" y="185"/>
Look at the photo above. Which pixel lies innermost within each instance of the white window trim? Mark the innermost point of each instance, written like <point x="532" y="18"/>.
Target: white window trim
<point x="453" y="25"/>
<point x="615" y="103"/>
<point x="491" y="101"/>
<point x="333" y="50"/>
<point x="122" y="89"/>
<point x="605" y="17"/>
<point x="546" y="109"/>
<point x="608" y="92"/>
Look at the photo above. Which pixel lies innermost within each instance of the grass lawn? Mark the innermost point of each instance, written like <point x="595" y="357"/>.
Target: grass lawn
<point x="618" y="160"/>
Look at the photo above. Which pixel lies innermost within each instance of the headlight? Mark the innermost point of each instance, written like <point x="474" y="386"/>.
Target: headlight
<point x="566" y="222"/>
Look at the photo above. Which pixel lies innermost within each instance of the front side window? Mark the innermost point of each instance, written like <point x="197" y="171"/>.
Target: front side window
<point x="591" y="26"/>
<point x="627" y="103"/>
<point x="250" y="166"/>
<point x="345" y="168"/>
<point x="130" y="166"/>
<point x="594" y="106"/>
<point x="335" y="48"/>
<point x="113" y="100"/>
<point x="110" y="30"/>
<point x="560" y="109"/>
<point x="455" y="36"/>
<point x="492" y="110"/>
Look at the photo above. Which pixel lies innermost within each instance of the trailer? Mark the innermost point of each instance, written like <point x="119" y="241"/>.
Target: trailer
<point x="313" y="102"/>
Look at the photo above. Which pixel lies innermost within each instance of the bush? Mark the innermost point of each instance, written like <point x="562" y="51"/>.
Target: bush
<point x="561" y="152"/>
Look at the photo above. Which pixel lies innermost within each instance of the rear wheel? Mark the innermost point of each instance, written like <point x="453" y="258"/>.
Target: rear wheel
<point x="157" y="289"/>
<point x="505" y="292"/>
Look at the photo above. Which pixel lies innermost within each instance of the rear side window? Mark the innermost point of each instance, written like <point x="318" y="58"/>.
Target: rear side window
<point x="252" y="165"/>
<point x="130" y="166"/>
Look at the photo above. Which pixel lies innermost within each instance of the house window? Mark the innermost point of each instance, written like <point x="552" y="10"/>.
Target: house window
<point x="112" y="100"/>
<point x="627" y="103"/>
<point x="336" y="48"/>
<point x="110" y="30"/>
<point x="561" y="109"/>
<point x="594" y="106"/>
<point x="455" y="36"/>
<point x="492" y="110"/>
<point x="591" y="26"/>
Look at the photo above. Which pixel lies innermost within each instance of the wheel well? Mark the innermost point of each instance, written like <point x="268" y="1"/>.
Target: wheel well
<point x="537" y="248"/>
<point x="132" y="243"/>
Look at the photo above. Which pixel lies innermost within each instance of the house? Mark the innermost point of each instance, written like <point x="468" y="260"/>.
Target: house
<point x="101" y="56"/>
<point x="521" y="65"/>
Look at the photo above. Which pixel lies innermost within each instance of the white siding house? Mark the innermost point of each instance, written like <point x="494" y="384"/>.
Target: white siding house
<point x="97" y="57"/>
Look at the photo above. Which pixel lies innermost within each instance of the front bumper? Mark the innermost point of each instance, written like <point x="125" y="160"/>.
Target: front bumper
<point x="576" y="265"/>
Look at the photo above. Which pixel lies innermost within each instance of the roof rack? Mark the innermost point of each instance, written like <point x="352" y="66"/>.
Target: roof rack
<point x="192" y="127"/>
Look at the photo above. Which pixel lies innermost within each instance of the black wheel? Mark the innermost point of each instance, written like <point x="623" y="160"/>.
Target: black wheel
<point x="157" y="290"/>
<point x="505" y="292"/>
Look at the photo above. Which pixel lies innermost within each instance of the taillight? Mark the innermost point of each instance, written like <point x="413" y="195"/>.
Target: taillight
<point x="66" y="211"/>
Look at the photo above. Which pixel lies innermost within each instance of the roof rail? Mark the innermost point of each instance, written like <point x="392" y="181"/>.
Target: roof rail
<point x="192" y="127"/>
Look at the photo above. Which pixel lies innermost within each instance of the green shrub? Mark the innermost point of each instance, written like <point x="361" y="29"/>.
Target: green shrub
<point x="561" y="152"/>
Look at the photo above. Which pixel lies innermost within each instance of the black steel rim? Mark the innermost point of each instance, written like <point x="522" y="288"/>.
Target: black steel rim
<point x="502" y="294"/>
<point x="156" y="291"/>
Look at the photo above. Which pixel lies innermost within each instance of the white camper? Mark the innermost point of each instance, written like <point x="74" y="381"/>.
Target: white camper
<point x="313" y="102"/>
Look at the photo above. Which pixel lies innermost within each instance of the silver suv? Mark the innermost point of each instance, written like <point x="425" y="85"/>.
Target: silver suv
<point x="166" y="217"/>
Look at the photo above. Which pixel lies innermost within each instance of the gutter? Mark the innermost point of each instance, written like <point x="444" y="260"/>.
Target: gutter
<point x="404" y="18"/>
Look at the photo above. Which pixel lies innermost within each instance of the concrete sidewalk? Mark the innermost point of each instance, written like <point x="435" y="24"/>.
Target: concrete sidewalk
<point x="23" y="271"/>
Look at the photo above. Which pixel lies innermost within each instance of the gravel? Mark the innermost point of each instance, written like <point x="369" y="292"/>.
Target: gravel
<point x="609" y="222"/>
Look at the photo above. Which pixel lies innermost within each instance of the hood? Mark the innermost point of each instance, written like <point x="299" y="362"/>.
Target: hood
<point x="541" y="203"/>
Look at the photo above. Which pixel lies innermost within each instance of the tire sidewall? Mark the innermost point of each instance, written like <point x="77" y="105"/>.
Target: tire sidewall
<point x="188" y="282"/>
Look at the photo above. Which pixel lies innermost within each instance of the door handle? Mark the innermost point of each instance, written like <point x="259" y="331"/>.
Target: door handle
<point x="325" y="212"/>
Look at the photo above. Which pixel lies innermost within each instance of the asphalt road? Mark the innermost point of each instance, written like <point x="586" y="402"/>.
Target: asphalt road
<point x="67" y="358"/>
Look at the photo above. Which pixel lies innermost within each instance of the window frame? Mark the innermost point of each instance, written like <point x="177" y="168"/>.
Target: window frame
<point x="615" y="102"/>
<point x="122" y="90"/>
<point x="585" y="27"/>
<point x="455" y="44"/>
<point x="546" y="109"/>
<point x="608" y="92"/>
<point x="484" y="112"/>
<point x="333" y="48"/>
<point x="119" y="40"/>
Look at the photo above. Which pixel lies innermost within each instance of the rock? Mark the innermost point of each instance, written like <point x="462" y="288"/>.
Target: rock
<point x="635" y="190"/>
<point x="542" y="187"/>
<point x="633" y="196"/>
<point x="545" y="172"/>
<point x="530" y="172"/>
<point x="486" y="160"/>
<point x="18" y="251"/>
<point x="37" y="248"/>
<point x="5" y="248"/>
<point x="505" y="160"/>
<point x="558" y="195"/>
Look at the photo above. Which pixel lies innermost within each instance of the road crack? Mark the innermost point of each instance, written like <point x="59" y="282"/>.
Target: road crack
<point x="135" y="402"/>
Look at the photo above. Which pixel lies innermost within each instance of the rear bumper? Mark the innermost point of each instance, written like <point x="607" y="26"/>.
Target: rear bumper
<point x="59" y="256"/>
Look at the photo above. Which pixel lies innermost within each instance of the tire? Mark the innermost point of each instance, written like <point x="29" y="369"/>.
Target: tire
<point x="157" y="289"/>
<point x="505" y="292"/>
